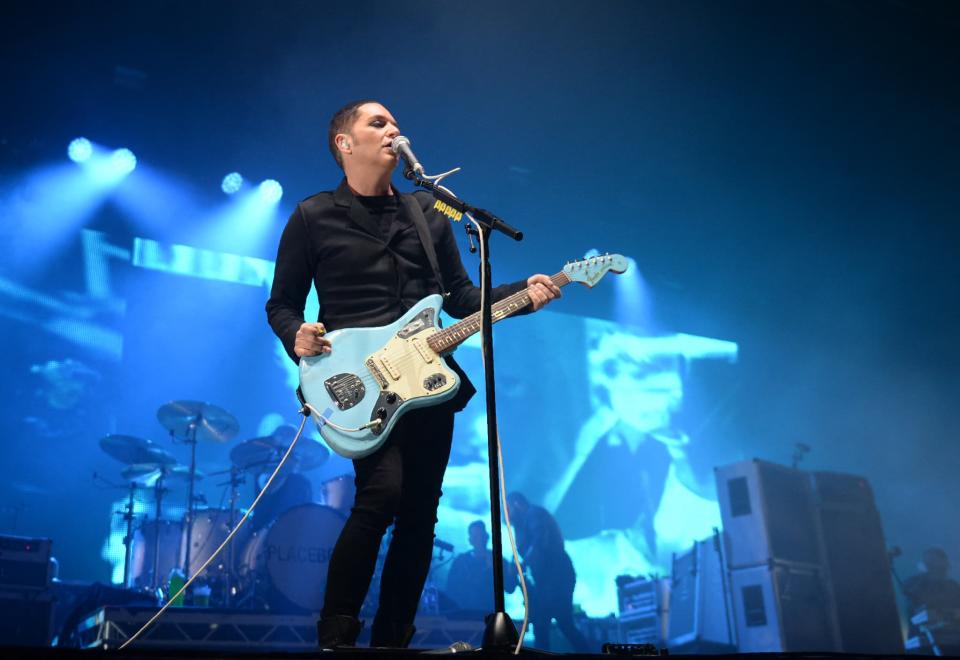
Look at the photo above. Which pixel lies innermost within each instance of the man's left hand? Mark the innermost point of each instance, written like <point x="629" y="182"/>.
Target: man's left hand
<point x="542" y="290"/>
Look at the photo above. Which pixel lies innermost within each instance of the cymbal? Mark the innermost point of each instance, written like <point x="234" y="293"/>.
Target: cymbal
<point x="267" y="451"/>
<point x="211" y="422"/>
<point x="151" y="472"/>
<point x="131" y="449"/>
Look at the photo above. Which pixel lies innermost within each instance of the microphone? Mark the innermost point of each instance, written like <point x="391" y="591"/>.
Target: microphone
<point x="401" y="147"/>
<point x="443" y="545"/>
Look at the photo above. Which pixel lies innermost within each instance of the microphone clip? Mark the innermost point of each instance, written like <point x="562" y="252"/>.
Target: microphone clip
<point x="471" y="232"/>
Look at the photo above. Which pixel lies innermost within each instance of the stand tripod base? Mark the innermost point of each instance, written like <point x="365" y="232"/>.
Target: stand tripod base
<point x="500" y="633"/>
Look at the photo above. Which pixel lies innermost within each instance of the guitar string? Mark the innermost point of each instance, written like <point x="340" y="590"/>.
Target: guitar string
<point x="470" y="324"/>
<point x="446" y="333"/>
<point x="447" y="337"/>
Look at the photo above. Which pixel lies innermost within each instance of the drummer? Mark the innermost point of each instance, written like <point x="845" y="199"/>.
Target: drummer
<point x="285" y="493"/>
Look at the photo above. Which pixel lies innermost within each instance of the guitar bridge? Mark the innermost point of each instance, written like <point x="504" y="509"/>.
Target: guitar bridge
<point x="346" y="390"/>
<point x="376" y="373"/>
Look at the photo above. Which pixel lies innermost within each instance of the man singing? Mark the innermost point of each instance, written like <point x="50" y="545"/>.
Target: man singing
<point x="368" y="249"/>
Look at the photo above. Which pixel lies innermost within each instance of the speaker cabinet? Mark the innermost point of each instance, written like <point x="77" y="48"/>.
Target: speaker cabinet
<point x="782" y="607"/>
<point x="855" y="556"/>
<point x="700" y="617"/>
<point x="768" y="514"/>
<point x="26" y="618"/>
<point x="791" y="525"/>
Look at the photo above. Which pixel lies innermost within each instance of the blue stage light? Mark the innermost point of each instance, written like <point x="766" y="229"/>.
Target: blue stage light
<point x="231" y="183"/>
<point x="80" y="150"/>
<point x="122" y="162"/>
<point x="271" y="191"/>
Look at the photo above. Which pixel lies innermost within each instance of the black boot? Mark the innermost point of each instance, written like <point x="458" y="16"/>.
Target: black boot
<point x="390" y="634"/>
<point x="337" y="631"/>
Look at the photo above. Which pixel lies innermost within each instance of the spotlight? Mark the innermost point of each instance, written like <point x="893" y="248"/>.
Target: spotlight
<point x="122" y="161"/>
<point x="231" y="183"/>
<point x="271" y="191"/>
<point x="80" y="150"/>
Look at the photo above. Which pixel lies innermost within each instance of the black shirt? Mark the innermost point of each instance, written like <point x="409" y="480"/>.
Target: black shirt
<point x="383" y="209"/>
<point x="367" y="269"/>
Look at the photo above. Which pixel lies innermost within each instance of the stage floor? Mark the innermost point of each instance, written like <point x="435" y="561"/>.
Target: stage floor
<point x="47" y="653"/>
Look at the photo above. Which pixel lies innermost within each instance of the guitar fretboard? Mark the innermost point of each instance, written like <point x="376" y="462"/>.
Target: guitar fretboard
<point x="448" y="339"/>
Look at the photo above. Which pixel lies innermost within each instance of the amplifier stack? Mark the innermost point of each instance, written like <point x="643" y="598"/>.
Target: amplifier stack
<point x="644" y="607"/>
<point x="807" y="561"/>
<point x="26" y="606"/>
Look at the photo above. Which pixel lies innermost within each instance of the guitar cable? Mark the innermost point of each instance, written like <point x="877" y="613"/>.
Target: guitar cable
<point x="172" y="599"/>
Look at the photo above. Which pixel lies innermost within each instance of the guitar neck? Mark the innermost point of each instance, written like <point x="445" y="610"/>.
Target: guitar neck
<point x="449" y="338"/>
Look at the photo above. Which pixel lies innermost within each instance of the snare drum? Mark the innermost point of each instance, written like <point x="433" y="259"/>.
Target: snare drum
<point x="286" y="563"/>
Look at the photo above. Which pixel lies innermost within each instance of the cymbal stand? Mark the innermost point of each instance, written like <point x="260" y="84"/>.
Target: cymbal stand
<point x="191" y="439"/>
<point x="128" y="517"/>
<point x="236" y="479"/>
<point x="156" y="582"/>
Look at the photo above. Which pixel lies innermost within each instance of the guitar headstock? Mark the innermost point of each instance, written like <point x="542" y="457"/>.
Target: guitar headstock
<point x="589" y="271"/>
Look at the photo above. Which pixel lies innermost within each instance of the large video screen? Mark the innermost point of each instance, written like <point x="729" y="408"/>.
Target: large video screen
<point x="600" y="423"/>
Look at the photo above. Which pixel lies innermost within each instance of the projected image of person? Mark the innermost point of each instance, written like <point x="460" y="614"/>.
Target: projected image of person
<point x="553" y="578"/>
<point x="470" y="580"/>
<point x="627" y="450"/>
<point x="372" y="253"/>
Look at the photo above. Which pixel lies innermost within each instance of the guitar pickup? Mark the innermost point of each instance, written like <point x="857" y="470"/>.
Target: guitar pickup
<point x="424" y="352"/>
<point x="392" y="370"/>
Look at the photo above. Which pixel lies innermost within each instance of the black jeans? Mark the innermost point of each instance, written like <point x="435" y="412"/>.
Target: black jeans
<point x="399" y="483"/>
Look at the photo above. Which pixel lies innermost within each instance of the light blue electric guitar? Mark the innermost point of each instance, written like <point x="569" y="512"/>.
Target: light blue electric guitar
<point x="357" y="392"/>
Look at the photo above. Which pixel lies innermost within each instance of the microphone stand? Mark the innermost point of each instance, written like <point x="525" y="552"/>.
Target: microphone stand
<point x="500" y="631"/>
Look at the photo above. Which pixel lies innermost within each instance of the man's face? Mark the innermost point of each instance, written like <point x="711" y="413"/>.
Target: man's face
<point x="644" y="390"/>
<point x="642" y="381"/>
<point x="370" y="138"/>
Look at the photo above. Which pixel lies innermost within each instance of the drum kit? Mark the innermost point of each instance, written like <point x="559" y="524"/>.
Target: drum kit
<point x="277" y="562"/>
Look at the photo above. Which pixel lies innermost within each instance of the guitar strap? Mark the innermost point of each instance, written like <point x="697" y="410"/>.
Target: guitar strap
<point x="420" y="222"/>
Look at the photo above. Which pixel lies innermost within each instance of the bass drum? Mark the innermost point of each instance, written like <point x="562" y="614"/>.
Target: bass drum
<point x="284" y="566"/>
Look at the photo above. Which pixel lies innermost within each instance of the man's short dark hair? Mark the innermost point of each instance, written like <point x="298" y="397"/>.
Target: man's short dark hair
<point x="340" y="123"/>
<point x="478" y="523"/>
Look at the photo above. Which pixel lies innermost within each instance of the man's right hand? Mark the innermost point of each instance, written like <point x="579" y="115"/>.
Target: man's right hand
<point x="311" y="341"/>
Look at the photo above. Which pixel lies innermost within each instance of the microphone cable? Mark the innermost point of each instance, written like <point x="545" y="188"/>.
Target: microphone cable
<point x="503" y="484"/>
